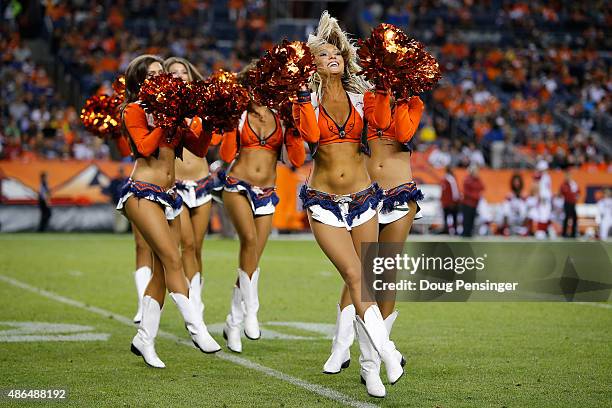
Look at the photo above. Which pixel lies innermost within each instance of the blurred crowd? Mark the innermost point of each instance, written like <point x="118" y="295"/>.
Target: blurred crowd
<point x="35" y="121"/>
<point x="522" y="81"/>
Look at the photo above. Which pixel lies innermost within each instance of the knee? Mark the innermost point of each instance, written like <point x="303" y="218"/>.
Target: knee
<point x="171" y="260"/>
<point x="187" y="247"/>
<point x="352" y="275"/>
<point x="248" y="240"/>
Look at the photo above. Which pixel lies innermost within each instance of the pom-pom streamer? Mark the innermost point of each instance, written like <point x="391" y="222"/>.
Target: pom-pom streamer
<point x="391" y="60"/>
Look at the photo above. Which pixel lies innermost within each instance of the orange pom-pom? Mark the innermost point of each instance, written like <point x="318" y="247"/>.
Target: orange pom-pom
<point x="392" y="61"/>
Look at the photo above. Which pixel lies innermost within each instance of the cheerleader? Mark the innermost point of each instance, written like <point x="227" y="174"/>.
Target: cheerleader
<point x="389" y="137"/>
<point x="150" y="202"/>
<point x="341" y="201"/>
<point x="194" y="184"/>
<point x="249" y="196"/>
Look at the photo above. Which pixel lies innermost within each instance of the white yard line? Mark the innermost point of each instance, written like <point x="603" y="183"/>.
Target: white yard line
<point x="595" y="304"/>
<point x="241" y="361"/>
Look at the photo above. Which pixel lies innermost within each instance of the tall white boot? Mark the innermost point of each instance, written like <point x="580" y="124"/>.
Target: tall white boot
<point x="195" y="325"/>
<point x="195" y="292"/>
<point x="369" y="362"/>
<point x="344" y="335"/>
<point x="248" y="289"/>
<point x="389" y="326"/>
<point x="142" y="276"/>
<point x="374" y="326"/>
<point x="233" y="321"/>
<point x="143" y="343"/>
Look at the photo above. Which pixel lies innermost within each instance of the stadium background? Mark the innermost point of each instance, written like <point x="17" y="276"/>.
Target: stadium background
<point x="523" y="82"/>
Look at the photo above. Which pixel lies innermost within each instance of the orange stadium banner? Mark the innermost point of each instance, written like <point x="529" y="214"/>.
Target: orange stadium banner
<point x="82" y="183"/>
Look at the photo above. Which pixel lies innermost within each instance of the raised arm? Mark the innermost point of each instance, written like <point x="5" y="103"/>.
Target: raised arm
<point x="145" y="140"/>
<point x="305" y="118"/>
<point x="295" y="147"/>
<point x="229" y="146"/>
<point x="407" y="117"/>
<point x="377" y="109"/>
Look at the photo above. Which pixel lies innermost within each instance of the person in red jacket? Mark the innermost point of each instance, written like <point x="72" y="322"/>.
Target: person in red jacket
<point x="570" y="193"/>
<point x="249" y="196"/>
<point x="472" y="192"/>
<point x="449" y="200"/>
<point x="150" y="202"/>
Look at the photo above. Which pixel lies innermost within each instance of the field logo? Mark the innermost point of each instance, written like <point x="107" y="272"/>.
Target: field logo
<point x="42" y="331"/>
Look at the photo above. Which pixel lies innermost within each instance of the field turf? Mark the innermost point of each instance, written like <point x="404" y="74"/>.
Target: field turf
<point x="459" y="354"/>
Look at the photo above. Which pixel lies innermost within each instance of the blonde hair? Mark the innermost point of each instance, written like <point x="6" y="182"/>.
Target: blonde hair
<point x="194" y="74"/>
<point x="329" y="32"/>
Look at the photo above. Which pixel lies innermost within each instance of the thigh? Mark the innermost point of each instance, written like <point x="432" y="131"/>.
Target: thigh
<point x="366" y="232"/>
<point x="239" y="210"/>
<point x="150" y="219"/>
<point x="263" y="225"/>
<point x="141" y="243"/>
<point x="186" y="229"/>
<point x="200" y="216"/>
<point x="337" y="245"/>
<point x="398" y="230"/>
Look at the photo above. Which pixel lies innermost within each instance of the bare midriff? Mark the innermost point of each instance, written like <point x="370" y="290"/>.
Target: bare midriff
<point x="339" y="168"/>
<point x="255" y="166"/>
<point x="191" y="167"/>
<point x="388" y="165"/>
<point x="156" y="170"/>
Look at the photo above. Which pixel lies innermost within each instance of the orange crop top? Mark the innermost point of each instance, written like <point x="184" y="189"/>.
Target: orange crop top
<point x="400" y="124"/>
<point x="316" y="126"/>
<point x="145" y="140"/>
<point x="245" y="138"/>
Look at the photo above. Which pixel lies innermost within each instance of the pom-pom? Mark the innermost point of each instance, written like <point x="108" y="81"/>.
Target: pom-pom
<point x="391" y="60"/>
<point x="100" y="115"/>
<point x="285" y="113"/>
<point x="280" y="72"/>
<point x="119" y="87"/>
<point x="166" y="98"/>
<point x="222" y="100"/>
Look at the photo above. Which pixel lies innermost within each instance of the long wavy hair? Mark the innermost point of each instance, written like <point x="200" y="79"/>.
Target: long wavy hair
<point x="192" y="71"/>
<point x="135" y="75"/>
<point x="329" y="32"/>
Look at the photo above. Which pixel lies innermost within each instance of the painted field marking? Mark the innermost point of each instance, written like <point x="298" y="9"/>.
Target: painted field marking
<point x="44" y="331"/>
<point x="241" y="361"/>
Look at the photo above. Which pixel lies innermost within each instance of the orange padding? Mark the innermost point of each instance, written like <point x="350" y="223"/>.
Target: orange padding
<point x="78" y="182"/>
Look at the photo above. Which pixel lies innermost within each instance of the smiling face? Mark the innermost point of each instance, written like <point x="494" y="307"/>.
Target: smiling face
<point x="329" y="60"/>
<point x="179" y="70"/>
<point x="154" y="69"/>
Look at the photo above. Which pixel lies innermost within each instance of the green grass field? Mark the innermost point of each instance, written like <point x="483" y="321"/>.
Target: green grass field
<point x="459" y="354"/>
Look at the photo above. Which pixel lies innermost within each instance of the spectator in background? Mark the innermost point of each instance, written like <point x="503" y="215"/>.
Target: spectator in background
<point x="604" y="214"/>
<point x="43" y="203"/>
<point x="472" y="192"/>
<point x="450" y="201"/>
<point x="440" y="157"/>
<point x="570" y="193"/>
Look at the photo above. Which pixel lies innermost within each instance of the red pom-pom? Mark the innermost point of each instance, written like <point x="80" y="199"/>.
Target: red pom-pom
<point x="166" y="98"/>
<point x="119" y="87"/>
<point x="100" y="115"/>
<point x="391" y="60"/>
<point x="280" y="72"/>
<point x="221" y="100"/>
